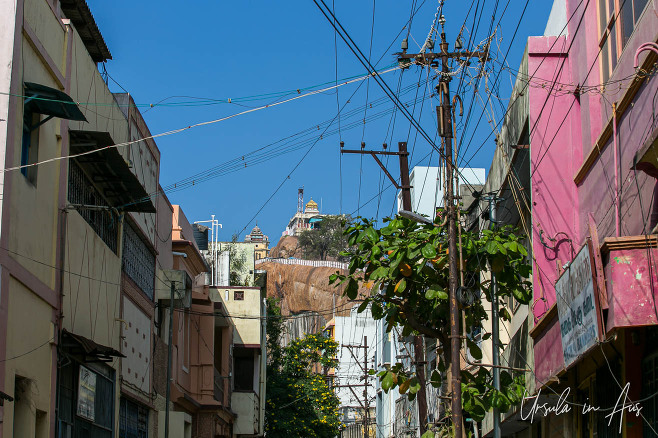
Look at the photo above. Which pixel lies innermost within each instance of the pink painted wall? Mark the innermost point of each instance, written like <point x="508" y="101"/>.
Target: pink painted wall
<point x="554" y="148"/>
<point x="549" y="359"/>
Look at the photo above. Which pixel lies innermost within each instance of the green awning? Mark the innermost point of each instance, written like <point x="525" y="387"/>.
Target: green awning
<point x="51" y="102"/>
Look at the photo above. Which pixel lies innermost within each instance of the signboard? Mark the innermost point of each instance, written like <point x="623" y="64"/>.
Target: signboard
<point x="86" y="393"/>
<point x="577" y="307"/>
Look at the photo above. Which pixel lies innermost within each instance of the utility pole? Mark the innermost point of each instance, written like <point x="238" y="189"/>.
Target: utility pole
<point x="365" y="404"/>
<point x="444" y="116"/>
<point x="171" y="338"/>
<point x="493" y="199"/>
<point x="419" y="351"/>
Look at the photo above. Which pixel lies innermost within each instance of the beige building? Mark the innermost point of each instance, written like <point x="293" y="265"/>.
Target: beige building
<point x="246" y="309"/>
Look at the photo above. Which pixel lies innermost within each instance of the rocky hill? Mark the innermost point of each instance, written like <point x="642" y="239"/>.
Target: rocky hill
<point x="305" y="289"/>
<point x="286" y="248"/>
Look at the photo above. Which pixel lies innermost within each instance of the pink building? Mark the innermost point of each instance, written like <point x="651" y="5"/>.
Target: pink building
<point x="576" y="163"/>
<point x="592" y="164"/>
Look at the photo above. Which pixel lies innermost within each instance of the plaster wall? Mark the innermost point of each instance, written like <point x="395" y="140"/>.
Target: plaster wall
<point x="180" y="425"/>
<point x="244" y="314"/>
<point x="554" y="154"/>
<point x="136" y="366"/>
<point x="91" y="301"/>
<point x="32" y="357"/>
<point x="245" y="405"/>
<point x="427" y="186"/>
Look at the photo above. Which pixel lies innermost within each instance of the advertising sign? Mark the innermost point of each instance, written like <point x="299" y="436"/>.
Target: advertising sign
<point x="577" y="307"/>
<point x="86" y="393"/>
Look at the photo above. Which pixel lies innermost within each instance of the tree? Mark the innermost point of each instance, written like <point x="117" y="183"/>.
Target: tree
<point x="300" y="402"/>
<point x="405" y="266"/>
<point x="327" y="240"/>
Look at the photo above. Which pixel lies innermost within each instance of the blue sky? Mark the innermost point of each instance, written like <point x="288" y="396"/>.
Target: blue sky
<point x="237" y="49"/>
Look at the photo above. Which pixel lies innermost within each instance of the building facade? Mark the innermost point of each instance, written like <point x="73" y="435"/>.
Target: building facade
<point x="262" y="242"/>
<point x="303" y="220"/>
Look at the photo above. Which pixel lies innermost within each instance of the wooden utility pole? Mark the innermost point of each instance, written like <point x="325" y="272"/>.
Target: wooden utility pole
<point x="444" y="115"/>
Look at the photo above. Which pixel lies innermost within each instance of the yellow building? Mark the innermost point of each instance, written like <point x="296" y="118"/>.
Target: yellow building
<point x="77" y="235"/>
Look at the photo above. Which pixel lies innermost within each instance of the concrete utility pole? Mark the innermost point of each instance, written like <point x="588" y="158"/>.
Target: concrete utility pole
<point x="365" y="404"/>
<point x="444" y="115"/>
<point x="493" y="199"/>
<point x="419" y="351"/>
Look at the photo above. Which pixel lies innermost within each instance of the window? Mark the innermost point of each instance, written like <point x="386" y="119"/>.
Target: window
<point x="238" y="295"/>
<point x="243" y="359"/>
<point x="83" y="195"/>
<point x="30" y="146"/>
<point x="86" y="400"/>
<point x="617" y="19"/>
<point x="133" y="420"/>
<point x="138" y="260"/>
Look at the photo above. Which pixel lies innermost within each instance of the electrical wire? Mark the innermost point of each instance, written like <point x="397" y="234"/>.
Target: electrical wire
<point x="195" y="125"/>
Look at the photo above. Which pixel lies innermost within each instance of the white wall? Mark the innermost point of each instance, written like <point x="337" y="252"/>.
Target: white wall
<point x="427" y="186"/>
<point x="350" y="330"/>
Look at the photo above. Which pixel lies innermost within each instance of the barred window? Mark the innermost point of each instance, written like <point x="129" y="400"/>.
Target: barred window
<point x="84" y="196"/>
<point x="133" y="420"/>
<point x="138" y="260"/>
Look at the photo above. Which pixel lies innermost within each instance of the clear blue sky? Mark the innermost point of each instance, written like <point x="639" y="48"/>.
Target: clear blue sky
<point x="235" y="49"/>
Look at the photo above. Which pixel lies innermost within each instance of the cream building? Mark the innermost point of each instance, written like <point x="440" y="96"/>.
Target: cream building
<point x="304" y="220"/>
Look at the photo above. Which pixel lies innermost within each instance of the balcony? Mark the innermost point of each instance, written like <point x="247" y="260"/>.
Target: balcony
<point x="221" y="389"/>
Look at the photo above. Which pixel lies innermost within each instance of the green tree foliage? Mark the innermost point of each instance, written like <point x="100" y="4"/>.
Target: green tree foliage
<point x="405" y="265"/>
<point x="300" y="402"/>
<point x="327" y="240"/>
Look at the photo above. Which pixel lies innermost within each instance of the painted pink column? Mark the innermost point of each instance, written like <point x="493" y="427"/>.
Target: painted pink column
<point x="554" y="122"/>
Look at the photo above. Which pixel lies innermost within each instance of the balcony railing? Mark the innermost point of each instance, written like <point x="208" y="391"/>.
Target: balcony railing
<point x="221" y="388"/>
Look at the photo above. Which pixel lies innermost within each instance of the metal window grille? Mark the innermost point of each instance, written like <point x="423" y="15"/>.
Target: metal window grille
<point x="138" y="261"/>
<point x="133" y="420"/>
<point x="81" y="192"/>
<point x="72" y="425"/>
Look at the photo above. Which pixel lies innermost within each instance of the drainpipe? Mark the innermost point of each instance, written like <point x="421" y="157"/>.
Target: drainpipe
<point x="263" y="369"/>
<point x="616" y="162"/>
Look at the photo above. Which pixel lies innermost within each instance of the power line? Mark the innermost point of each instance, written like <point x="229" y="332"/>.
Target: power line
<point x="195" y="125"/>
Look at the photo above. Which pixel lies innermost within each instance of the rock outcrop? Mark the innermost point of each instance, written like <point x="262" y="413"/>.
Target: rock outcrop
<point x="287" y="247"/>
<point x="306" y="289"/>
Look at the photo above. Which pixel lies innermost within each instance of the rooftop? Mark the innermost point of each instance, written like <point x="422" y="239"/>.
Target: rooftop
<point x="80" y="15"/>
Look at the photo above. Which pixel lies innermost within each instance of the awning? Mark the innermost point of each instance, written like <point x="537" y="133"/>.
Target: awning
<point x="646" y="159"/>
<point x="4" y="397"/>
<point x="110" y="172"/>
<point x="88" y="349"/>
<point x="80" y="15"/>
<point x="51" y="102"/>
